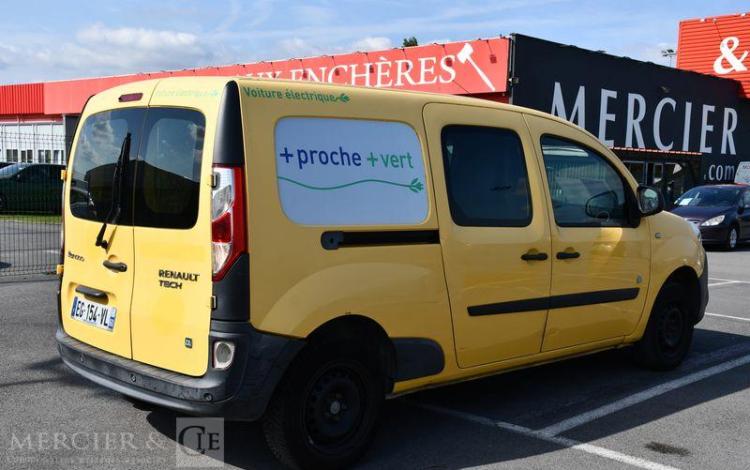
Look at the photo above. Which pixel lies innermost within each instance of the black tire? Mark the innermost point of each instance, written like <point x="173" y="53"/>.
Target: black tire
<point x="326" y="410"/>
<point x="733" y="238"/>
<point x="669" y="332"/>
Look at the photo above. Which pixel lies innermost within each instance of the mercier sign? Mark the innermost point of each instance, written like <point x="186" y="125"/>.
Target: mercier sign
<point x="632" y="104"/>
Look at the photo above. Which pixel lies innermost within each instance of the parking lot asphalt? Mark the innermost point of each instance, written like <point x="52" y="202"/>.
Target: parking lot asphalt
<point x="598" y="411"/>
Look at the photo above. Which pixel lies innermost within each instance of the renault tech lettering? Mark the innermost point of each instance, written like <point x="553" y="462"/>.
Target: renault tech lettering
<point x="297" y="252"/>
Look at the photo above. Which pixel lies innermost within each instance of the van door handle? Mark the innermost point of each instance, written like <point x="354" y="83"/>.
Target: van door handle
<point x="529" y="256"/>
<point x="119" y="267"/>
<point x="568" y="255"/>
<point x="91" y="292"/>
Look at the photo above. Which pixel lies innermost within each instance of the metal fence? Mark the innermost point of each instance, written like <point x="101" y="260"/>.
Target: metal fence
<point x="30" y="204"/>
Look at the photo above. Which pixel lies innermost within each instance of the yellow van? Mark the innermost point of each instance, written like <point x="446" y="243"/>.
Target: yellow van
<point x="298" y="252"/>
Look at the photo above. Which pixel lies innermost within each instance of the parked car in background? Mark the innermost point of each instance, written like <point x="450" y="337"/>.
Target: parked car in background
<point x="721" y="212"/>
<point x="30" y="188"/>
<point x="4" y="164"/>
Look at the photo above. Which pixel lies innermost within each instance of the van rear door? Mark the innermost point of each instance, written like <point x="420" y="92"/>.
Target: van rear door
<point x="171" y="308"/>
<point x="98" y="277"/>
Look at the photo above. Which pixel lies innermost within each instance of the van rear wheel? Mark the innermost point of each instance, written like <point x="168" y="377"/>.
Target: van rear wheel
<point x="325" y="413"/>
<point x="669" y="332"/>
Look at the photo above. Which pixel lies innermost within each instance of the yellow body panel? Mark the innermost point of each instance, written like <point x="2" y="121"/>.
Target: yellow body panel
<point x="296" y="285"/>
<point x="152" y="322"/>
<point x="611" y="258"/>
<point x="673" y="246"/>
<point x="83" y="260"/>
<point x="483" y="265"/>
<point x="162" y="319"/>
<point x="411" y="291"/>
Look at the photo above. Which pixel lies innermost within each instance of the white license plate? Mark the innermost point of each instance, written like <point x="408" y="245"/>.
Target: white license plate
<point x="93" y="313"/>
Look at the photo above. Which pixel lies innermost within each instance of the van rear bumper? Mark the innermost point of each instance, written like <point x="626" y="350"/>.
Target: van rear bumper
<point x="241" y="393"/>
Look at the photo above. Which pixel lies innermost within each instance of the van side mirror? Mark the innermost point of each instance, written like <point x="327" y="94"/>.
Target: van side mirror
<point x="650" y="201"/>
<point x="602" y="205"/>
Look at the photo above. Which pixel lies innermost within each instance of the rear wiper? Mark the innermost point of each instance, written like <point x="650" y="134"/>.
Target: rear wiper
<point x="116" y="204"/>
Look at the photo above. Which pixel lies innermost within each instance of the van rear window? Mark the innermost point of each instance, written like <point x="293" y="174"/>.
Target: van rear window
<point x="161" y="177"/>
<point x="168" y="170"/>
<point x="100" y="142"/>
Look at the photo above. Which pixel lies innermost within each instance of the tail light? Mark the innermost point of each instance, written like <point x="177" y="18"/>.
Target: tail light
<point x="228" y="228"/>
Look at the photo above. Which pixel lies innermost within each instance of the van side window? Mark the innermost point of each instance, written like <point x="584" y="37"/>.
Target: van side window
<point x="485" y="172"/>
<point x="99" y="145"/>
<point x="168" y="170"/>
<point x="586" y="191"/>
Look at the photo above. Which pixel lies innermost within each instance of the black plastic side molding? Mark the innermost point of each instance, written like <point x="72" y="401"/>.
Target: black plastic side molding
<point x="333" y="240"/>
<point x="417" y="357"/>
<point x="233" y="292"/>
<point x="555" y="301"/>
<point x="229" y="147"/>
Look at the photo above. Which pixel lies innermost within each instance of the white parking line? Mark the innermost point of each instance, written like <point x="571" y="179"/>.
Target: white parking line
<point x="728" y="280"/>
<point x="724" y="283"/>
<point x="557" y="440"/>
<point x="587" y="417"/>
<point x="727" y="316"/>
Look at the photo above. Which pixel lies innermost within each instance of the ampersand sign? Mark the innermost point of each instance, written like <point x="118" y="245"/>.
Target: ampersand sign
<point x="727" y="48"/>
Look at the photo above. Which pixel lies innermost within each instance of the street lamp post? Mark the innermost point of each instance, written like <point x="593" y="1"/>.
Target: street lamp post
<point x="668" y="53"/>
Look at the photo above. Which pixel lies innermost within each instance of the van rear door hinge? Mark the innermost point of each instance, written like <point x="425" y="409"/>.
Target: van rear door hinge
<point x="213" y="302"/>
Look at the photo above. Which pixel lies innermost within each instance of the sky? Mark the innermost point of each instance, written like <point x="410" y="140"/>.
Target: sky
<point x="62" y="39"/>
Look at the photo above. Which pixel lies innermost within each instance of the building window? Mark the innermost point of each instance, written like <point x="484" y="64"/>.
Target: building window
<point x="45" y="156"/>
<point x="11" y="155"/>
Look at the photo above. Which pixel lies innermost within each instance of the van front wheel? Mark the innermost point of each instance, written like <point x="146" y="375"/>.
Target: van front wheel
<point x="669" y="332"/>
<point x="325" y="413"/>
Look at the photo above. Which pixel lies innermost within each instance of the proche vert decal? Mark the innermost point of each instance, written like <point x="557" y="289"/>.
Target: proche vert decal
<point x="350" y="172"/>
<point x="174" y="279"/>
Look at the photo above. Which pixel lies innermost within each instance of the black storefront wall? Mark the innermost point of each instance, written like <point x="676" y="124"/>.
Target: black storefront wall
<point x="620" y="100"/>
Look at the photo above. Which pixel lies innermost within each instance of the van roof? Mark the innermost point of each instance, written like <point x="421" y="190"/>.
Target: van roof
<point x="360" y="90"/>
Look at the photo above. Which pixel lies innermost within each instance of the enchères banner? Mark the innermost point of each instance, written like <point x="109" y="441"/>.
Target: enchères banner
<point x="634" y="104"/>
<point x="458" y="68"/>
<point x="350" y="172"/>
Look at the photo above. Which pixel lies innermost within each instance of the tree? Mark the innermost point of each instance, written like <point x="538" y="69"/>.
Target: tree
<point x="410" y="42"/>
